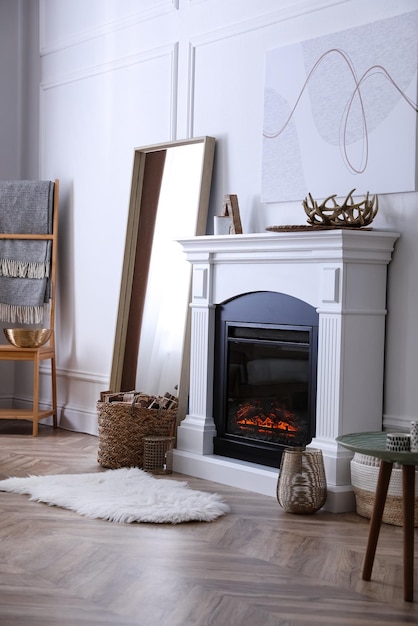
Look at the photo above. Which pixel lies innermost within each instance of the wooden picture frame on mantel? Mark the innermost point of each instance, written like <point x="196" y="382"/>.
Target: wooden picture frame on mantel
<point x="231" y="209"/>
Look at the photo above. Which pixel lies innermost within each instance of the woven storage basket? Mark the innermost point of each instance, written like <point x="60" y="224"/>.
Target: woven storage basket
<point x="122" y="428"/>
<point x="364" y="474"/>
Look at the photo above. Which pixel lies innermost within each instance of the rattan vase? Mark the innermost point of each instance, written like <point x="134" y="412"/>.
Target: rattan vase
<point x="302" y="486"/>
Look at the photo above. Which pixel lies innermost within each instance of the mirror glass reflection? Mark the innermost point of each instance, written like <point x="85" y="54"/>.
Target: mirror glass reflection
<point x="163" y="318"/>
<point x="169" y="201"/>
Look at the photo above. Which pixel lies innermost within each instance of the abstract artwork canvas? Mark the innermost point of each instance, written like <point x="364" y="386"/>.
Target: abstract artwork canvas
<point x="340" y="113"/>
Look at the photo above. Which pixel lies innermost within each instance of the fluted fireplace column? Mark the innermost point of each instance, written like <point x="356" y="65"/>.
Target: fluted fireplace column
<point x="198" y="428"/>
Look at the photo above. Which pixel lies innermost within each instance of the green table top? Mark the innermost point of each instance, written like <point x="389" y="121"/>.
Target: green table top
<point x="374" y="444"/>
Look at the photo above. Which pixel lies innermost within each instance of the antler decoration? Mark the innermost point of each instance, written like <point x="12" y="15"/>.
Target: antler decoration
<point x="350" y="213"/>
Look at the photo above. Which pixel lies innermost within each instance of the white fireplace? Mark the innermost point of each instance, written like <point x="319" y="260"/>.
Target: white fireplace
<point x="343" y="274"/>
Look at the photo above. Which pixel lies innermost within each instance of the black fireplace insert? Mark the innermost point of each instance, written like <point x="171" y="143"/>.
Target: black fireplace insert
<point x="266" y="347"/>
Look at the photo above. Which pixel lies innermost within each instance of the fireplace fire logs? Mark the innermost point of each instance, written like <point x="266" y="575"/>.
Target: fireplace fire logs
<point x="270" y="417"/>
<point x="269" y="420"/>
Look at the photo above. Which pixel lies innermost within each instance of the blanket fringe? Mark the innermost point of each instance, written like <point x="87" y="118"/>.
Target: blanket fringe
<point x="19" y="314"/>
<point x="24" y="269"/>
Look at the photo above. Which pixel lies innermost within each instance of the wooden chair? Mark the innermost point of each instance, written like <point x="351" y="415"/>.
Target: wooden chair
<point x="45" y="352"/>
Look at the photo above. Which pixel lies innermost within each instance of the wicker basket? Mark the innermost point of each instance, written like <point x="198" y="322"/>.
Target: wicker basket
<point x="364" y="474"/>
<point x="122" y="428"/>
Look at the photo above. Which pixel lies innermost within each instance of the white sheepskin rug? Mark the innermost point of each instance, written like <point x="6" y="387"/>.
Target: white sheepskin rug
<point x="121" y="495"/>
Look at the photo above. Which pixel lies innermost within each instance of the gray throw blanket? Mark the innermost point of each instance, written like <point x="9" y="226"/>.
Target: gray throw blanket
<point x="26" y="206"/>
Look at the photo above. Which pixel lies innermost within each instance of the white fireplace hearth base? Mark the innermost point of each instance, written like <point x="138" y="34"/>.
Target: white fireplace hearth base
<point x="342" y="273"/>
<point x="251" y="477"/>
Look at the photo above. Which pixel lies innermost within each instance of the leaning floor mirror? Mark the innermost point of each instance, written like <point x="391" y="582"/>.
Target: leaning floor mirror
<point x="169" y="200"/>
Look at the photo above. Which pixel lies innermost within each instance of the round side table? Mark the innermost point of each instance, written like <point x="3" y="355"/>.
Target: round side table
<point x="374" y="444"/>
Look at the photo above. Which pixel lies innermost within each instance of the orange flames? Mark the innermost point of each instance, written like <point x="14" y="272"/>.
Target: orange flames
<point x="278" y="417"/>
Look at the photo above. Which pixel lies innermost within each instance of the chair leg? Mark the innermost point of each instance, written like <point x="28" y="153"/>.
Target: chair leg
<point x="35" y="408"/>
<point x="54" y="392"/>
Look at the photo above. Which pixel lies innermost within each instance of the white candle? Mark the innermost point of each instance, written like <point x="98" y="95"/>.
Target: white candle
<point x="222" y="225"/>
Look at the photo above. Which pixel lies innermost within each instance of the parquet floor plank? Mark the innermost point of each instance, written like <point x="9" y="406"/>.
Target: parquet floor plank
<point x="257" y="566"/>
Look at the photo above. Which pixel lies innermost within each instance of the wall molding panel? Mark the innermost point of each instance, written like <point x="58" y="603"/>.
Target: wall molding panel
<point x="156" y="9"/>
<point x="267" y="20"/>
<point x="169" y="51"/>
<point x="241" y="28"/>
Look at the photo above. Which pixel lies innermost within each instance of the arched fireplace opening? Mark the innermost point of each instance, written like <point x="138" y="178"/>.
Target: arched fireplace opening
<point x="265" y="373"/>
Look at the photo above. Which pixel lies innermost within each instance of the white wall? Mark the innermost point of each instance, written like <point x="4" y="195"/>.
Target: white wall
<point x="9" y="96"/>
<point x="19" y="95"/>
<point x="119" y="75"/>
<point x="19" y="121"/>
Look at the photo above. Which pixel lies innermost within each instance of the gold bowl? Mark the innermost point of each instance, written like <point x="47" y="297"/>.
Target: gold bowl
<point x="27" y="338"/>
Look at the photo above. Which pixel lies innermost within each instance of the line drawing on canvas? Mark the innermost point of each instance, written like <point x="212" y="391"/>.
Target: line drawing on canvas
<point x="338" y="116"/>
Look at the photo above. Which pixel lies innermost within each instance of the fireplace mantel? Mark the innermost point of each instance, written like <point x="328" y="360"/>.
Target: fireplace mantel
<point x="343" y="274"/>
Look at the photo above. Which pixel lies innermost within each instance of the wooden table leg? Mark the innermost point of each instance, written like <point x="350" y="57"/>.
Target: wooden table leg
<point x="385" y="472"/>
<point x="408" y="487"/>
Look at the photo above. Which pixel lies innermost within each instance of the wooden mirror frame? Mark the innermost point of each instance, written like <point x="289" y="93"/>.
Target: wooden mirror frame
<point x="146" y="182"/>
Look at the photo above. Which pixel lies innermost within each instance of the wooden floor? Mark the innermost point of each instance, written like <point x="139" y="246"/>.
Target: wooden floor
<point x="257" y="566"/>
